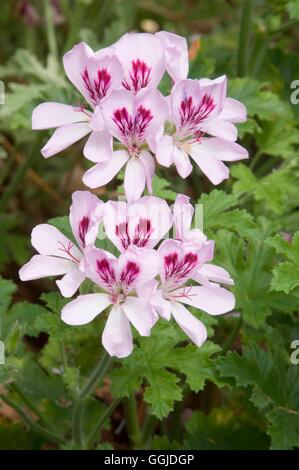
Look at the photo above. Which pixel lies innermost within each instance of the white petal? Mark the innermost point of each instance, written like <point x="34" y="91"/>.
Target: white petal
<point x="117" y="336"/>
<point x="44" y="266"/>
<point x="98" y="147"/>
<point x="71" y="282"/>
<point x="48" y="115"/>
<point x="64" y="137"/>
<point x="102" y="173"/>
<point x="48" y="240"/>
<point x="140" y="315"/>
<point x="193" y="327"/>
<point x="212" y="299"/>
<point x="84" y="308"/>
<point x="134" y="179"/>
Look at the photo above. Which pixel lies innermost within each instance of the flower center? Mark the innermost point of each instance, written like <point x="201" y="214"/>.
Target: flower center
<point x="132" y="128"/>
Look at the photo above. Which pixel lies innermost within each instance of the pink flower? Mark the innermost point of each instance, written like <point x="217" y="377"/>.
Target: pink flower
<point x="183" y="213"/>
<point x="57" y="254"/>
<point x="200" y="107"/>
<point x="142" y="224"/>
<point x="95" y="76"/>
<point x="119" y="278"/>
<point x="180" y="264"/>
<point x="134" y="120"/>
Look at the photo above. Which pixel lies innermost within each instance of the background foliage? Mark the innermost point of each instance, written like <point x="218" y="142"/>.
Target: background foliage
<point x="240" y="390"/>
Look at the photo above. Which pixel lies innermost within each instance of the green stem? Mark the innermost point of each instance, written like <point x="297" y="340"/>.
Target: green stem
<point x="96" y="430"/>
<point x="31" y="405"/>
<point x="77" y="424"/>
<point x="148" y="430"/>
<point x="50" y="30"/>
<point x="133" y="424"/>
<point x="232" y="337"/>
<point x="255" y="159"/>
<point x="79" y="404"/>
<point x="63" y="355"/>
<point x="34" y="426"/>
<point x="96" y="376"/>
<point x="244" y="38"/>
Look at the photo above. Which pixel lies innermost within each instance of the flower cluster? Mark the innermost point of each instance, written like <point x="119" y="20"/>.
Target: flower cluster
<point x="148" y="279"/>
<point x="131" y="123"/>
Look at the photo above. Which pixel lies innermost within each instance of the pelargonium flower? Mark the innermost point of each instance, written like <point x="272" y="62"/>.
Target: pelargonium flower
<point x="135" y="121"/>
<point x="119" y="279"/>
<point x="95" y="76"/>
<point x="198" y="108"/>
<point x="183" y="213"/>
<point x="142" y="224"/>
<point x="180" y="265"/>
<point x="58" y="254"/>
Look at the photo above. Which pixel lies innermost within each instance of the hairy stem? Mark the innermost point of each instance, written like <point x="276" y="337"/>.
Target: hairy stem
<point x="133" y="424"/>
<point x="79" y="404"/>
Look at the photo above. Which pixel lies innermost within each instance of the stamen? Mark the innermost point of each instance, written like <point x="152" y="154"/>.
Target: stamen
<point x="67" y="251"/>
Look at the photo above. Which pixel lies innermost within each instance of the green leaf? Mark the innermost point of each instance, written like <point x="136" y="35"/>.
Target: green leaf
<point x="286" y="274"/>
<point x="274" y="386"/>
<point x="162" y="188"/>
<point x="216" y="213"/>
<point x="151" y="363"/>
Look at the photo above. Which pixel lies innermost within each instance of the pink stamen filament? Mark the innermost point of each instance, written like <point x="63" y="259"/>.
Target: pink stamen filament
<point x="67" y="250"/>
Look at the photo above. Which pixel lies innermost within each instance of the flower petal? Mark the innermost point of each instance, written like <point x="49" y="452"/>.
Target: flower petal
<point x="117" y="336"/>
<point x="183" y="213"/>
<point x="48" y="115"/>
<point x="98" y="147"/>
<point x="84" y="309"/>
<point x="134" y="182"/>
<point x="215" y="273"/>
<point x="182" y="162"/>
<point x="140" y="315"/>
<point x="69" y="284"/>
<point x="64" y="137"/>
<point x="175" y="54"/>
<point x="165" y="150"/>
<point x="222" y="129"/>
<point x="141" y="56"/>
<point x="102" y="173"/>
<point x="233" y="111"/>
<point x="214" y="169"/>
<point x="211" y="299"/>
<point x="43" y="266"/>
<point x="149" y="168"/>
<point x="75" y="62"/>
<point x="191" y="326"/>
<point x="48" y="240"/>
<point x="86" y="212"/>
